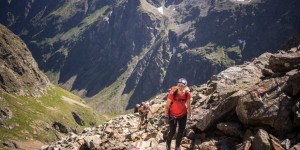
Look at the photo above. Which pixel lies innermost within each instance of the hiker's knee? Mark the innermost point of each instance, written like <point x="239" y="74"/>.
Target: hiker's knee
<point x="171" y="133"/>
<point x="179" y="134"/>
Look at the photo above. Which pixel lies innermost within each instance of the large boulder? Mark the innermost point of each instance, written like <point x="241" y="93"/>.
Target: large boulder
<point x="283" y="62"/>
<point x="207" y="118"/>
<point x="240" y="77"/>
<point x="226" y="89"/>
<point x="266" y="104"/>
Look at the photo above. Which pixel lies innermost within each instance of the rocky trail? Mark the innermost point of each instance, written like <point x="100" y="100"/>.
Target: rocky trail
<point x="251" y="106"/>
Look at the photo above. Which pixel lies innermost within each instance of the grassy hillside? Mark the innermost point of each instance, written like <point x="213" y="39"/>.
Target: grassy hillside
<point x="32" y="118"/>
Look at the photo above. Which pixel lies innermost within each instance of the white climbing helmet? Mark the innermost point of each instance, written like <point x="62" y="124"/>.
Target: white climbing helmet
<point x="182" y="81"/>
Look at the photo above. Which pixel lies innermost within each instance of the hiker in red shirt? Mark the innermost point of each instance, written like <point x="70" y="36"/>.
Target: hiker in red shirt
<point x="177" y="110"/>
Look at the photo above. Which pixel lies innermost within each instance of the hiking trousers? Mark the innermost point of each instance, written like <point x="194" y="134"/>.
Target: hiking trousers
<point x="173" y="125"/>
<point x="143" y="120"/>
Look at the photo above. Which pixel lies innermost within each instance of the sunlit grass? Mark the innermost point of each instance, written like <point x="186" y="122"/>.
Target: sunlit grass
<point x="33" y="117"/>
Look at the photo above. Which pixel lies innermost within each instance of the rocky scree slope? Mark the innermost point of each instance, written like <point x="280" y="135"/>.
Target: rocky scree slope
<point x="122" y="52"/>
<point x="32" y="109"/>
<point x="250" y="106"/>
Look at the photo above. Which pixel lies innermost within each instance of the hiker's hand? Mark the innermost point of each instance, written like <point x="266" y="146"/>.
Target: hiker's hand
<point x="166" y="119"/>
<point x="190" y="119"/>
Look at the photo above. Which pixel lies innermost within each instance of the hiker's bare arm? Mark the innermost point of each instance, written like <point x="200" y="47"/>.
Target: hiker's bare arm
<point x="167" y="107"/>
<point x="149" y="109"/>
<point x="189" y="108"/>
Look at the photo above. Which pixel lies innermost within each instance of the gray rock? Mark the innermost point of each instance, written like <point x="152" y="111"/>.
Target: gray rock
<point x="284" y="62"/>
<point x="261" y="140"/>
<point x="153" y="142"/>
<point x="286" y="143"/>
<point x="293" y="83"/>
<point x="296" y="147"/>
<point x="77" y="119"/>
<point x="86" y="130"/>
<point x="257" y="107"/>
<point x="159" y="137"/>
<point x="207" y="145"/>
<point x="5" y="114"/>
<point x="10" y="144"/>
<point x="244" y="146"/>
<point x="190" y="134"/>
<point x="93" y="142"/>
<point x="60" y="127"/>
<point x="108" y="130"/>
<point x="248" y="135"/>
<point x="206" y="118"/>
<point x="233" y="129"/>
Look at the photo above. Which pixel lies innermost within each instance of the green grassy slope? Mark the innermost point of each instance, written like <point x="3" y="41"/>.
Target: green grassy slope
<point x="33" y="117"/>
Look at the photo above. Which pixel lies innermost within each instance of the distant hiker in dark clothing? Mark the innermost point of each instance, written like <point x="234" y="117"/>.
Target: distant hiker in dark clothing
<point x="177" y="110"/>
<point x="137" y="106"/>
<point x="143" y="110"/>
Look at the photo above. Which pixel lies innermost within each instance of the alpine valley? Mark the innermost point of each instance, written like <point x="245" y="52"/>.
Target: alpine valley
<point x="116" y="53"/>
<point x="67" y="64"/>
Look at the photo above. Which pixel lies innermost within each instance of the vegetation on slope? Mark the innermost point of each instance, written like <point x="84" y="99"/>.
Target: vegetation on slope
<point x="33" y="118"/>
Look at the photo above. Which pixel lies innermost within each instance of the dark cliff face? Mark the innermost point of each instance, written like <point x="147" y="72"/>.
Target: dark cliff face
<point x="294" y="41"/>
<point x="115" y="51"/>
<point x="262" y="27"/>
<point x="19" y="72"/>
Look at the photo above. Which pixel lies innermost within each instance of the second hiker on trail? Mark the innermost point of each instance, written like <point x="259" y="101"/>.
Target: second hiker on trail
<point x="143" y="111"/>
<point x="177" y="110"/>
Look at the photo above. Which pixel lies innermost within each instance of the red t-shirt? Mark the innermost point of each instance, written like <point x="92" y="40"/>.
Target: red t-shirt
<point x="178" y="107"/>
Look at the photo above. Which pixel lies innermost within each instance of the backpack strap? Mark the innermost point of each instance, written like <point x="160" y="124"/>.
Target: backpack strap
<point x="176" y="91"/>
<point x="174" y="96"/>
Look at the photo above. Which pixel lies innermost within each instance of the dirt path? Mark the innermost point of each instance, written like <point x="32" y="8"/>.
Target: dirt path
<point x="30" y="145"/>
<point x="72" y="101"/>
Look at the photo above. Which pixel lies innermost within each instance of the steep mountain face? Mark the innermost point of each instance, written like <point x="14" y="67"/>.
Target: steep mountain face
<point x="32" y="108"/>
<point x="292" y="42"/>
<point x="118" y="53"/>
<point x="19" y="72"/>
